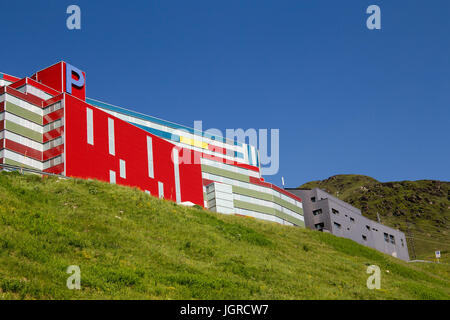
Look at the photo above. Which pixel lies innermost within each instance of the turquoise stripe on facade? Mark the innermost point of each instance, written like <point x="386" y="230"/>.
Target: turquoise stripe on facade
<point x="238" y="155"/>
<point x="159" y="133"/>
<point x="1" y="75"/>
<point x="249" y="152"/>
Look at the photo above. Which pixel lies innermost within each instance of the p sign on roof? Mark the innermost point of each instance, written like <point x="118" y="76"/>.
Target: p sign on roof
<point x="78" y="82"/>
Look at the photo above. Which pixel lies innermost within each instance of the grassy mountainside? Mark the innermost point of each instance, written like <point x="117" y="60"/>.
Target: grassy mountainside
<point x="131" y="245"/>
<point x="422" y="207"/>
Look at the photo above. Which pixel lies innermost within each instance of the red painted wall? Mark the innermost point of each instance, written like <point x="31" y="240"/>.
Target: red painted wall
<point x="55" y="77"/>
<point x="52" y="76"/>
<point x="94" y="161"/>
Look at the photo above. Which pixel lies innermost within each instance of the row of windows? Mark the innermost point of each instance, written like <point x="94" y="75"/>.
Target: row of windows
<point x="53" y="143"/>
<point x="389" y="238"/>
<point x="56" y="106"/>
<point x="55" y="124"/>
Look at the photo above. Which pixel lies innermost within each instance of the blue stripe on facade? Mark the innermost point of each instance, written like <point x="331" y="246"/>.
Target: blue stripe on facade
<point x="158" y="121"/>
<point x="159" y="133"/>
<point x="250" y="160"/>
<point x="238" y="155"/>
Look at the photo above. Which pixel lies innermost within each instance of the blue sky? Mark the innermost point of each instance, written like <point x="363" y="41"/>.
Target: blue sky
<point x="346" y="99"/>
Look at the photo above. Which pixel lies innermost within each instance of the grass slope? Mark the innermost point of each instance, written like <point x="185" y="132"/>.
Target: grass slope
<point x="133" y="246"/>
<point x="421" y="206"/>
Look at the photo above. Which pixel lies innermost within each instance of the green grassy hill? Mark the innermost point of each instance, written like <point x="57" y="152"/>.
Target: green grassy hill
<point x="421" y="208"/>
<point x="132" y="246"/>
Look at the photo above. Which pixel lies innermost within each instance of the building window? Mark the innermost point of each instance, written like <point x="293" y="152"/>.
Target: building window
<point x="112" y="176"/>
<point x="150" y="157"/>
<point x="90" y="126"/>
<point x="111" y="140"/>
<point x="403" y="244"/>
<point x="368" y="228"/>
<point x="337" y="225"/>
<point x="386" y="237"/>
<point x="319" y="226"/>
<point x="313" y="199"/>
<point x="123" y="172"/>
<point x="161" y="189"/>
<point x="391" y="237"/>
<point x="176" y="169"/>
<point x="364" y="237"/>
<point x="334" y="211"/>
<point x="352" y="219"/>
<point x="316" y="212"/>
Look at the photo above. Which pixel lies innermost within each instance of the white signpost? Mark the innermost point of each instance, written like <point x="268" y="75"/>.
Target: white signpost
<point x="438" y="255"/>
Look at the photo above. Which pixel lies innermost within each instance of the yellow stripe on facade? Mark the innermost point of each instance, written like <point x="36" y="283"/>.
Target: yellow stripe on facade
<point x="195" y="143"/>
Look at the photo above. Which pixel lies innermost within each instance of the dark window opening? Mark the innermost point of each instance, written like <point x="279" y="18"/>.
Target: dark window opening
<point x="316" y="212"/>
<point x="364" y="237"/>
<point x="352" y="219"/>
<point x="313" y="199"/>
<point x="334" y="211"/>
<point x="386" y="237"/>
<point x="337" y="225"/>
<point x="392" y="238"/>
<point x="368" y="228"/>
<point x="319" y="226"/>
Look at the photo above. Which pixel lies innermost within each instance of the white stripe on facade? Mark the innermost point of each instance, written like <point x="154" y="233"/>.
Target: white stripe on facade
<point x="53" y="162"/>
<point x="176" y="166"/>
<point x="111" y="139"/>
<point x="53" y="107"/>
<point x="23" y="104"/>
<point x="112" y="176"/>
<point x="229" y="167"/>
<point x="23" y="122"/>
<point x="268" y="204"/>
<point x="54" y="125"/>
<point x="23" y="141"/>
<point x="22" y="159"/>
<point x="253" y="155"/>
<point x="250" y="186"/>
<point x="90" y="126"/>
<point x="160" y="189"/>
<point x="151" y="173"/>
<point x="34" y="91"/>
<point x="123" y="170"/>
<point x="53" y="143"/>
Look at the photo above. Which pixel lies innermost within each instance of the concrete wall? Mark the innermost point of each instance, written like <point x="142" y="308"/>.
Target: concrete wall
<point x="323" y="212"/>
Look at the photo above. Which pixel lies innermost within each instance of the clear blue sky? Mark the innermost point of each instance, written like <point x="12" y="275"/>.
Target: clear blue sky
<point x="346" y="99"/>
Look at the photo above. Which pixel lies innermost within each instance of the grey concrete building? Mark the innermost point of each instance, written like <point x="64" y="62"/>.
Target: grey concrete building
<point x="323" y="212"/>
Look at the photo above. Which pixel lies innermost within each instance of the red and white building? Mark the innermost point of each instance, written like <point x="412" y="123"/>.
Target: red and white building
<point x="48" y="124"/>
